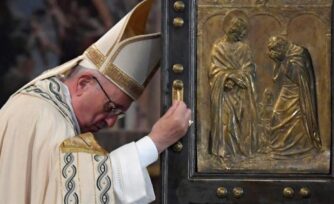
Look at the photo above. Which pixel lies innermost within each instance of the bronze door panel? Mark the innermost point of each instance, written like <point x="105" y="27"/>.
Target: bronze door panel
<point x="257" y="75"/>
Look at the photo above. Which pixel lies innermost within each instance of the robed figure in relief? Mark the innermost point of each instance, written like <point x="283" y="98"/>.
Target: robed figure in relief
<point x="294" y="128"/>
<point x="231" y="76"/>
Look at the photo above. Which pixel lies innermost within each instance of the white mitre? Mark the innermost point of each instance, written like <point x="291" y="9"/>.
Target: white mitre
<point x="125" y="54"/>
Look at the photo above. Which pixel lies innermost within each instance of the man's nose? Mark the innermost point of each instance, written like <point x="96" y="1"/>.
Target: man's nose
<point x="111" y="120"/>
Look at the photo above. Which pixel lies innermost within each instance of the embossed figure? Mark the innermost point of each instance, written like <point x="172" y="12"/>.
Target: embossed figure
<point x="294" y="128"/>
<point x="233" y="110"/>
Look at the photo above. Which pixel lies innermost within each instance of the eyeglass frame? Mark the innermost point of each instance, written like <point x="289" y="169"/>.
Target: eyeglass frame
<point x="110" y="107"/>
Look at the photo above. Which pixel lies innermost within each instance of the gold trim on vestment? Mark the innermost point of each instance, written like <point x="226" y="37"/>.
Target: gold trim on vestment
<point x="60" y="177"/>
<point x="78" y="165"/>
<point x="82" y="143"/>
<point x="93" y="166"/>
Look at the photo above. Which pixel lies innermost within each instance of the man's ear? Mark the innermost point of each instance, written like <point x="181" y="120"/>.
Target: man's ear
<point x="82" y="84"/>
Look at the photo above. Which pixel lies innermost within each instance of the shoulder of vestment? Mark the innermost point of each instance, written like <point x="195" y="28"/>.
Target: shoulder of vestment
<point x="82" y="143"/>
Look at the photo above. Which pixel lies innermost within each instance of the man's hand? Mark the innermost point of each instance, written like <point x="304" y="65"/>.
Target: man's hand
<point x="171" y="126"/>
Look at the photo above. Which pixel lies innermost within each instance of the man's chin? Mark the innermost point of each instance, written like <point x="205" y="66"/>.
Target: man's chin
<point x="90" y="129"/>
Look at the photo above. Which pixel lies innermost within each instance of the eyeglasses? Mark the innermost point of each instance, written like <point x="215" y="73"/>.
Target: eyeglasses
<point x="110" y="107"/>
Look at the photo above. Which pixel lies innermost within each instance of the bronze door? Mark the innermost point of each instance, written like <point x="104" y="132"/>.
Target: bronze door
<point x="257" y="75"/>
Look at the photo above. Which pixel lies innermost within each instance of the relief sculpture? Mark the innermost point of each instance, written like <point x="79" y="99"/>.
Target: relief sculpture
<point x="294" y="127"/>
<point x="231" y="77"/>
<point x="262" y="73"/>
<point x="288" y="128"/>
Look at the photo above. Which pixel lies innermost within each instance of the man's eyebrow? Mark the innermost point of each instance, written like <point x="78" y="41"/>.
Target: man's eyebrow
<point x="119" y="106"/>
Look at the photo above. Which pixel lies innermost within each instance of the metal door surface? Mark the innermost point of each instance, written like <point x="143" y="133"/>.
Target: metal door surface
<point x="257" y="75"/>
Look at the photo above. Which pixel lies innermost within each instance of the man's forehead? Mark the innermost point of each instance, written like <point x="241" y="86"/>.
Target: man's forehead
<point x="118" y="95"/>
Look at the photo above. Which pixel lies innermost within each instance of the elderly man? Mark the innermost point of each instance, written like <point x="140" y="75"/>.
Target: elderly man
<point x="47" y="151"/>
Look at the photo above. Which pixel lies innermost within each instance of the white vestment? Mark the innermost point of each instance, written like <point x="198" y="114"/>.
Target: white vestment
<point x="34" y="169"/>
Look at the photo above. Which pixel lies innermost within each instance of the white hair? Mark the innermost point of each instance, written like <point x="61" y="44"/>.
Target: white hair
<point x="78" y="70"/>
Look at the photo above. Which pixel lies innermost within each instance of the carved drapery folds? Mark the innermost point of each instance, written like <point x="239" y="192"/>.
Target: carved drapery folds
<point x="263" y="86"/>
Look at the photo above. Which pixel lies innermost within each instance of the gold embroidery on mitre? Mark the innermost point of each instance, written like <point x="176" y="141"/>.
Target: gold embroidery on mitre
<point x="131" y="86"/>
<point x="150" y="76"/>
<point x="82" y="143"/>
<point x="95" y="55"/>
<point x="133" y="40"/>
